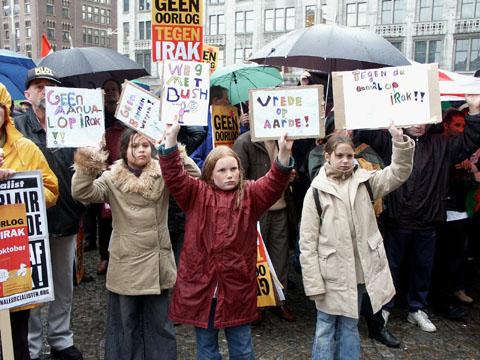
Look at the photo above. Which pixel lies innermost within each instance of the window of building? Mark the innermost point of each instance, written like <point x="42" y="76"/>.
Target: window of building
<point x="279" y="20"/>
<point x="310" y="15"/>
<point x="50" y="7"/>
<point x="215" y="2"/>
<point x="144" y="5"/>
<point x="96" y="15"/>
<point x="144" y="59"/>
<point x="126" y="5"/>
<point x="393" y="11"/>
<point x="103" y="16"/>
<point x="243" y="22"/>
<point x="398" y="45"/>
<point x="241" y="54"/>
<point x="109" y="17"/>
<point x="428" y="51"/>
<point x="470" y="9"/>
<point x="216" y="24"/>
<point x="357" y="14"/>
<point x="96" y="37"/>
<point x="51" y="30"/>
<point x="89" y="13"/>
<point x="27" y="6"/>
<point x="467" y="54"/>
<point x="65" y="36"/>
<point x="144" y="30"/>
<point x="126" y="31"/>
<point x="28" y="29"/>
<point x="430" y="10"/>
<point x="66" y="12"/>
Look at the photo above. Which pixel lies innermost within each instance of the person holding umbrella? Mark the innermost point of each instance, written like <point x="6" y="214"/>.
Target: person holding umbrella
<point x="63" y="224"/>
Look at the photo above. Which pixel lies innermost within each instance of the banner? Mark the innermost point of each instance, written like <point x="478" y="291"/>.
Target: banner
<point x="140" y="110"/>
<point x="210" y="55"/>
<point x="225" y="125"/>
<point x="186" y="94"/>
<point x="298" y="111"/>
<point x="177" y="30"/>
<point x="15" y="269"/>
<point x="75" y="117"/>
<point x="269" y="289"/>
<point x="372" y="99"/>
<point x="26" y="188"/>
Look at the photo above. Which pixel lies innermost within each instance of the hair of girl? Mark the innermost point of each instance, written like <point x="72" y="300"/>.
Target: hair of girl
<point x="130" y="135"/>
<point x="334" y="140"/>
<point x="210" y="162"/>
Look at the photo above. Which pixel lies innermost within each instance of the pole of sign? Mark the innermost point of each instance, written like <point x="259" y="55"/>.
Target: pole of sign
<point x="6" y="331"/>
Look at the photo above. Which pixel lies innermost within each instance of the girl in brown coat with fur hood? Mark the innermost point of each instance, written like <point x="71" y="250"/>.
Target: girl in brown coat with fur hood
<point x="142" y="267"/>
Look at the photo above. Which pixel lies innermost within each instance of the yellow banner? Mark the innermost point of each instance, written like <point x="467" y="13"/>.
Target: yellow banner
<point x="225" y="125"/>
<point x="265" y="287"/>
<point x="210" y="55"/>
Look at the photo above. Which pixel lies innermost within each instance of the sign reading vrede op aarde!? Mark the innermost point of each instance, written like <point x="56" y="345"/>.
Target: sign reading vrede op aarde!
<point x="177" y="30"/>
<point x="25" y="188"/>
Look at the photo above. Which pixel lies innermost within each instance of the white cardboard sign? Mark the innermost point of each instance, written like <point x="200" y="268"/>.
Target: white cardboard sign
<point x="75" y="117"/>
<point x="298" y="111"/>
<point x="371" y="99"/>
<point x="186" y="92"/>
<point x="140" y="110"/>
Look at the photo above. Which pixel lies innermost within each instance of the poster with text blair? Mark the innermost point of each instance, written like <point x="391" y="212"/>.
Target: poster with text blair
<point x="186" y="93"/>
<point x="297" y="111"/>
<point x="372" y="99"/>
<point x="75" y="117"/>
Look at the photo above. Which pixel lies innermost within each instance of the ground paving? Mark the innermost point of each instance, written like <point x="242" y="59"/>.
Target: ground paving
<point x="278" y="339"/>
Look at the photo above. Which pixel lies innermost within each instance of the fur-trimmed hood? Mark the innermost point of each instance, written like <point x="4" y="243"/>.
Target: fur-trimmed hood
<point x="143" y="185"/>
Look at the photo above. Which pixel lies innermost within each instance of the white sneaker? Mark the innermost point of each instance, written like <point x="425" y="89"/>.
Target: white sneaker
<point x="386" y="315"/>
<point x="421" y="319"/>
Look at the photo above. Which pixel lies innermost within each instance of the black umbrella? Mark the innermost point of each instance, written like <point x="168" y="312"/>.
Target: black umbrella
<point x="90" y="67"/>
<point x="330" y="48"/>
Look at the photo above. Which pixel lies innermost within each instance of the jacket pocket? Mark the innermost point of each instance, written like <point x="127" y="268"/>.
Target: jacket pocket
<point x="330" y="267"/>
<point x="378" y="254"/>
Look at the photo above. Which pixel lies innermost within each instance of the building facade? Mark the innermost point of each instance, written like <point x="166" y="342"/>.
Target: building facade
<point x="66" y="23"/>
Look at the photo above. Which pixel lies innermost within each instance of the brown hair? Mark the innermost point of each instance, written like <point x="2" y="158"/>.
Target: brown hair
<point x="127" y="136"/>
<point x="334" y="140"/>
<point x="210" y="162"/>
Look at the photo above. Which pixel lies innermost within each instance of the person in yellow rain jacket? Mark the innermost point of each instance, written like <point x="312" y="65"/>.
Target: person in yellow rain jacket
<point x="20" y="154"/>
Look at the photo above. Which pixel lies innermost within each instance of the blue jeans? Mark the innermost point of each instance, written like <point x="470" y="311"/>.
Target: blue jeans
<point x="336" y="337"/>
<point x="239" y="340"/>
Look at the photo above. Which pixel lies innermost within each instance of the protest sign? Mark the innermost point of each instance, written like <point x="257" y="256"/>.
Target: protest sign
<point x="210" y="55"/>
<point x="177" y="30"/>
<point x="298" y="111"/>
<point x="140" y="110"/>
<point x="75" y="117"/>
<point x="225" y="125"/>
<point x="27" y="188"/>
<point x="15" y="270"/>
<point x="186" y="94"/>
<point x="372" y="99"/>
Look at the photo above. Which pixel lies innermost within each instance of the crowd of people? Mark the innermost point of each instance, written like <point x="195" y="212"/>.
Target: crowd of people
<point x="371" y="217"/>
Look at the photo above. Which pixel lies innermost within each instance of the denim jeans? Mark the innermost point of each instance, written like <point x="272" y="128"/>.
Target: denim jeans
<point x="239" y="340"/>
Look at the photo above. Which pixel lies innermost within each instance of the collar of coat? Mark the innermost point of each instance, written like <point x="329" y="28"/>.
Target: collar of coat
<point x="322" y="183"/>
<point x="143" y="185"/>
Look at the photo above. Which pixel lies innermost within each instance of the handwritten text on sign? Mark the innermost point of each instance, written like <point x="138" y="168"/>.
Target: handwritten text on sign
<point x="27" y="188"/>
<point x="140" y="110"/>
<point x="296" y="110"/>
<point x="177" y="30"/>
<point x="187" y="92"/>
<point x="406" y="95"/>
<point x="75" y="117"/>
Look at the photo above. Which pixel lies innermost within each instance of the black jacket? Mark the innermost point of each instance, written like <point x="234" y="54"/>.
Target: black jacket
<point x="461" y="182"/>
<point x="64" y="217"/>
<point x="420" y="203"/>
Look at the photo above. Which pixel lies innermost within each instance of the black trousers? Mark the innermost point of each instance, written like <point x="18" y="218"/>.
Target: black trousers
<point x="19" y="324"/>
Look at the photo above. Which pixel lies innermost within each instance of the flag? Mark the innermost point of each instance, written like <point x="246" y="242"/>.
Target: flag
<point x="46" y="48"/>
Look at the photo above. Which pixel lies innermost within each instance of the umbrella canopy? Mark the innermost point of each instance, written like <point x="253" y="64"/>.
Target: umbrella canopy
<point x="90" y="67"/>
<point x="13" y="71"/>
<point x="330" y="48"/>
<point x="238" y="79"/>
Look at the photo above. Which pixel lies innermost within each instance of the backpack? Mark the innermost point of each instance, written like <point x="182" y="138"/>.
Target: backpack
<point x="316" y="197"/>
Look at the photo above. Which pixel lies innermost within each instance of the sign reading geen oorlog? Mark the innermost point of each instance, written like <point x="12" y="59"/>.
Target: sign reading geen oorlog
<point x="177" y="30"/>
<point x="25" y="188"/>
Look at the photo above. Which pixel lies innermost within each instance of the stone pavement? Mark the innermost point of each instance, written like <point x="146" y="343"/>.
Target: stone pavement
<point x="277" y="339"/>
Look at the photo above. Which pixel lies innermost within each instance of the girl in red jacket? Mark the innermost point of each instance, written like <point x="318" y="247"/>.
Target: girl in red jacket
<point x="216" y="284"/>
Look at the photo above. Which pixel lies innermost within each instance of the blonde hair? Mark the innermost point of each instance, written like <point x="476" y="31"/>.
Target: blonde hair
<point x="210" y="162"/>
